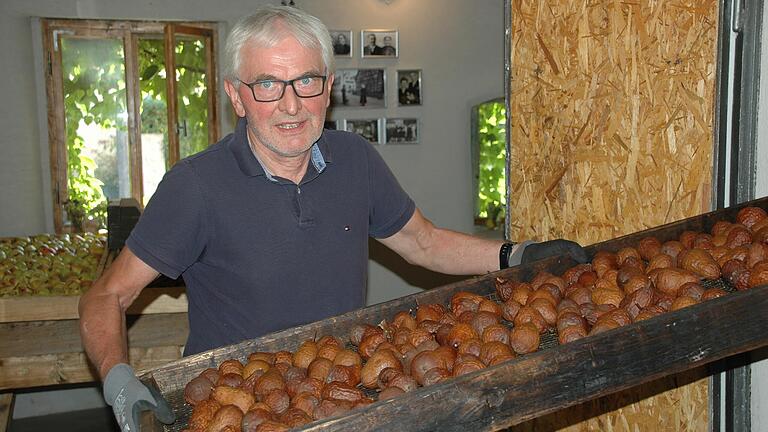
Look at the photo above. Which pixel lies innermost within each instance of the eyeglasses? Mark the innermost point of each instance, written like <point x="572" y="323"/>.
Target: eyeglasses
<point x="272" y="90"/>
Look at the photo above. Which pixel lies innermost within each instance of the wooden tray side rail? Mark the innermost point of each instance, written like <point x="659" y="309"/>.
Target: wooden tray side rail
<point x="534" y="384"/>
<point x="549" y="380"/>
<point x="56" y="355"/>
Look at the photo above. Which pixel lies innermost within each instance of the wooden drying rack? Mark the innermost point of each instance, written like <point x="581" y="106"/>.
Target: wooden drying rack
<point x="40" y="339"/>
<point x="531" y="385"/>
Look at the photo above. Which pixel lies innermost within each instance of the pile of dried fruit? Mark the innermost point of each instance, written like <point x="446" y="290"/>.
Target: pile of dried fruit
<point x="48" y="264"/>
<point x="323" y="377"/>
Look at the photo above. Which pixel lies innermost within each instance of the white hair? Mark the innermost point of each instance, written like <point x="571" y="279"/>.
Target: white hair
<point x="268" y="26"/>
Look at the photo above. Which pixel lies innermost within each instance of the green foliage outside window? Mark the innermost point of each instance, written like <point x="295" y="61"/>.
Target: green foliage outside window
<point x="93" y="78"/>
<point x="193" y="96"/>
<point x="492" y="183"/>
<point x="191" y="90"/>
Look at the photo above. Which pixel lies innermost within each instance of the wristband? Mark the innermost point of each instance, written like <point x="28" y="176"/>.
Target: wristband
<point x="506" y="247"/>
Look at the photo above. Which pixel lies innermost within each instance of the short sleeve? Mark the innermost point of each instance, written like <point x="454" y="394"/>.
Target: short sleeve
<point x="171" y="233"/>
<point x="390" y="206"/>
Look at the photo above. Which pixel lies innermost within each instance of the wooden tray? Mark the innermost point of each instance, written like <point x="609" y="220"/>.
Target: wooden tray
<point x="56" y="355"/>
<point x="152" y="300"/>
<point x="531" y="385"/>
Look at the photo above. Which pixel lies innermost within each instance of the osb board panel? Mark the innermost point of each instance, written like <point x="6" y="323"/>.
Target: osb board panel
<point x="611" y="132"/>
<point x="643" y="408"/>
<point x="611" y="115"/>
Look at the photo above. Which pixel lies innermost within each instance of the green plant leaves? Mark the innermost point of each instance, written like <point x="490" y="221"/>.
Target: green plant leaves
<point x="149" y="72"/>
<point x="492" y="141"/>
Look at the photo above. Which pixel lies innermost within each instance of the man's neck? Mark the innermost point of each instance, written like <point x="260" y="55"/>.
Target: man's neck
<point x="291" y="168"/>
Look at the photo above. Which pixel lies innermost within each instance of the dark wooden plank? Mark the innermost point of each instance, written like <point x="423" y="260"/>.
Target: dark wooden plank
<point x="672" y="231"/>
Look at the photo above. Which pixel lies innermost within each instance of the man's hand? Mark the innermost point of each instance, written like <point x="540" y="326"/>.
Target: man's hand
<point x="128" y="397"/>
<point x="529" y="251"/>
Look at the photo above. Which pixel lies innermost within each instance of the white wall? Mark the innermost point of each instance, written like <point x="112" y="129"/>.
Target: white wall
<point x="458" y="44"/>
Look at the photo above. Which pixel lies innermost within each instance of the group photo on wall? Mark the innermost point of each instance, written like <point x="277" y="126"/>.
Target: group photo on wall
<point x="379" y="43"/>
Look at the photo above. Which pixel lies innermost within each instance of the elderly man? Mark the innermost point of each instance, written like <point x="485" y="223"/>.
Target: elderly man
<point x="372" y="48"/>
<point x="269" y="227"/>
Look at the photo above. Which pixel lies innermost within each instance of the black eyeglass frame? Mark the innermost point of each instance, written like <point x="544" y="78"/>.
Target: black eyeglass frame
<point x="285" y="85"/>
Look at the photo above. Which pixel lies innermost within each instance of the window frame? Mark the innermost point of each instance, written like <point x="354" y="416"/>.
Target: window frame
<point x="128" y="32"/>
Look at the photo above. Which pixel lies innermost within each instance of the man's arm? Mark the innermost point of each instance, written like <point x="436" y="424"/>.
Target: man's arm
<point x="102" y="310"/>
<point x="450" y="252"/>
<point x="104" y="335"/>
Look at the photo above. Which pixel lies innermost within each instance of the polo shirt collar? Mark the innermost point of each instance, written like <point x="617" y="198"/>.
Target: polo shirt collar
<point x="251" y="166"/>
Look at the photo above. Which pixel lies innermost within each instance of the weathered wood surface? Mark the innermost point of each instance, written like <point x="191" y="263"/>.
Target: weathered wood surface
<point x="6" y="410"/>
<point x="535" y="384"/>
<point x="150" y="301"/>
<point x="50" y="352"/>
<point x="73" y="367"/>
<point x="52" y="337"/>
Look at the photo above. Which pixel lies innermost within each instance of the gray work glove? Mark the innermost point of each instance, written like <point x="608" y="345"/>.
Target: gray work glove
<point x="128" y="397"/>
<point x="529" y="251"/>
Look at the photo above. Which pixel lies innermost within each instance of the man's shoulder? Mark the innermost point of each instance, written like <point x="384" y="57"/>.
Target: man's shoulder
<point x="213" y="154"/>
<point x="340" y="138"/>
<point x="216" y="161"/>
<point x="344" y="144"/>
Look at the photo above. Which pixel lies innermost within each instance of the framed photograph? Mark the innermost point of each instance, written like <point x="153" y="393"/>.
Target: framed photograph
<point x="367" y="128"/>
<point x="409" y="87"/>
<point x="379" y="43"/>
<point x="342" y="42"/>
<point x="359" y="88"/>
<point x="401" y="131"/>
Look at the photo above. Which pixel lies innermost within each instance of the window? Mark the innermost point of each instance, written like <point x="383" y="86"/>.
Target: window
<point x="490" y="156"/>
<point x="116" y="122"/>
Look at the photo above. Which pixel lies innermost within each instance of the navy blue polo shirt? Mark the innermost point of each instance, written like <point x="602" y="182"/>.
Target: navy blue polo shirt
<point x="259" y="253"/>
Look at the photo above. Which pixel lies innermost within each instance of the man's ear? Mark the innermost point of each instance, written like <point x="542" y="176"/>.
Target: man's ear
<point x="329" y="84"/>
<point x="234" y="97"/>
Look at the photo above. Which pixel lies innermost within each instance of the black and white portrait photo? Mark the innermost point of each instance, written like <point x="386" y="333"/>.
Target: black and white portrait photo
<point x="367" y="128"/>
<point x="401" y="131"/>
<point x="359" y="88"/>
<point x="342" y="42"/>
<point x="409" y="87"/>
<point x="379" y="43"/>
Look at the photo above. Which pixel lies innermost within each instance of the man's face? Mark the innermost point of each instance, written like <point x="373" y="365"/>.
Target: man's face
<point x="372" y="39"/>
<point x="289" y="126"/>
<point x="388" y="40"/>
